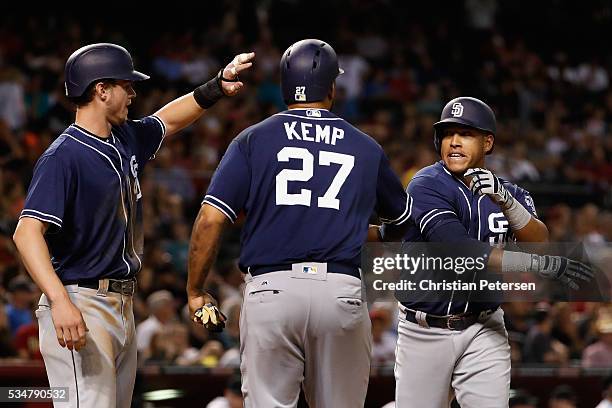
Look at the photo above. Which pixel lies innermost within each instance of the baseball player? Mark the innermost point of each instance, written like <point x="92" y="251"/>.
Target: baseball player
<point x="80" y="232"/>
<point x="452" y="342"/>
<point x="308" y="182"/>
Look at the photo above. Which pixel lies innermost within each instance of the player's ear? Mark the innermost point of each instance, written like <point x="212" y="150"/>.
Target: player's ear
<point x="489" y="139"/>
<point x="332" y="91"/>
<point x="102" y="90"/>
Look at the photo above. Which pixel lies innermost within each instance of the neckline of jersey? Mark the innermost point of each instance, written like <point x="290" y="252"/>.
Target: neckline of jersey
<point x="453" y="176"/>
<point x="106" y="140"/>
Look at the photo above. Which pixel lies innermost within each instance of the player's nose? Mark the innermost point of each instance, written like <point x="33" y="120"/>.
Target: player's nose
<point x="455" y="139"/>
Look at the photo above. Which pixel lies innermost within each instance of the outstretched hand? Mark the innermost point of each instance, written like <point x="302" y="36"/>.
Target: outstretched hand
<point x="230" y="83"/>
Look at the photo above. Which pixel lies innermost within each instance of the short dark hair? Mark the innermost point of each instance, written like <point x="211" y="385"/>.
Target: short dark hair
<point x="89" y="93"/>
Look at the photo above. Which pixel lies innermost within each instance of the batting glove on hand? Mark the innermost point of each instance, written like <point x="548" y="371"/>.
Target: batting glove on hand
<point x="210" y="317"/>
<point x="563" y="269"/>
<point x="485" y="182"/>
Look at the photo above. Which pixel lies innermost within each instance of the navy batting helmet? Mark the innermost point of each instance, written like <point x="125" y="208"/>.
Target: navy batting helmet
<point x="465" y="111"/>
<point x="308" y="69"/>
<point x="98" y="61"/>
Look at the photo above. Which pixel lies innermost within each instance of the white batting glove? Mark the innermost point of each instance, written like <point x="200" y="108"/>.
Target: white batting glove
<point x="485" y="182"/>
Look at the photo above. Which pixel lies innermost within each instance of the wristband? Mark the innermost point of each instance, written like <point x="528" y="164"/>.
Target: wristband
<point x="520" y="262"/>
<point x="208" y="94"/>
<point x="517" y="215"/>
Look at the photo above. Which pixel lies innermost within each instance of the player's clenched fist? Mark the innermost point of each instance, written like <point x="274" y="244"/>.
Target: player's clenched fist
<point x="485" y="182"/>
<point x="230" y="83"/>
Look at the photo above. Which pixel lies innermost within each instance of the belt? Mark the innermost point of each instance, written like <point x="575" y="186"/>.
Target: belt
<point x="332" y="267"/>
<point x="122" y="286"/>
<point x="456" y="322"/>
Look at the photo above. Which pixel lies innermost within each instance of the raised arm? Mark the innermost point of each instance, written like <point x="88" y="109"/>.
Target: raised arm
<point x="183" y="111"/>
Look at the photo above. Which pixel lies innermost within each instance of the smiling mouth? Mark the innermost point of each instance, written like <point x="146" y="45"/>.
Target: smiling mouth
<point x="456" y="155"/>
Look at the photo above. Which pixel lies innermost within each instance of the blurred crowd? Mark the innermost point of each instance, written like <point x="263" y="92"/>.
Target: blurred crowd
<point x="554" y="110"/>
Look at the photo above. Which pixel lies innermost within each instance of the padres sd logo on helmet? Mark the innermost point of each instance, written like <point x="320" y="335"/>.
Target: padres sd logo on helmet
<point x="465" y="111"/>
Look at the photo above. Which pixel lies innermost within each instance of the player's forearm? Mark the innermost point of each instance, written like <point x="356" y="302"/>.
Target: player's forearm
<point x="180" y="113"/>
<point x="374" y="234"/>
<point x="202" y="250"/>
<point x="534" y="231"/>
<point x="32" y="247"/>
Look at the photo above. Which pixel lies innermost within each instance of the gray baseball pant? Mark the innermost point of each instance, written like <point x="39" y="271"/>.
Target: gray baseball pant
<point x="475" y="362"/>
<point x="304" y="329"/>
<point x="101" y="374"/>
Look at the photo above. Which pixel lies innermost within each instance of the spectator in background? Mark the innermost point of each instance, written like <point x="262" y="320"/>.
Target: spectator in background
<point x="12" y="97"/>
<point x="540" y="347"/>
<point x="522" y="399"/>
<point x="26" y="341"/>
<point x="383" y="341"/>
<point x="21" y="303"/>
<point x="232" y="396"/>
<point x="173" y="178"/>
<point x="599" y="354"/>
<point x="607" y="394"/>
<point x="170" y="345"/>
<point x="563" y="396"/>
<point x="6" y="346"/>
<point x="161" y="307"/>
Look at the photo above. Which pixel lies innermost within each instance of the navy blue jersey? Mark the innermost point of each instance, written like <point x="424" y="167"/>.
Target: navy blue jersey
<point x="86" y="188"/>
<point x="442" y="200"/>
<point x="308" y="182"/>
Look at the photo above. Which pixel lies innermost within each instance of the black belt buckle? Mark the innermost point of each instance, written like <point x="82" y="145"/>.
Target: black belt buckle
<point x="125" y="287"/>
<point x="450" y="323"/>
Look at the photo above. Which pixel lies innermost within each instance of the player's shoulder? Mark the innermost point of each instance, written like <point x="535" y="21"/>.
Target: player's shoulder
<point x="435" y="177"/>
<point x="63" y="147"/>
<point x="514" y="188"/>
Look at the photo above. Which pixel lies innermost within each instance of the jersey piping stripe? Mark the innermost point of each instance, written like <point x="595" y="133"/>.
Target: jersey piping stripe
<point x="76" y="382"/>
<point x="468" y="203"/>
<point x="218" y="208"/>
<point x="229" y="209"/>
<point x="44" y="214"/>
<point x="425" y="216"/>
<point x="434" y="216"/>
<point x="122" y="197"/>
<point x="120" y="189"/>
<point x="455" y="177"/>
<point x="39" y="218"/>
<point x="306" y="117"/>
<point x="405" y="215"/>
<point x="409" y="213"/>
<point x="163" y="128"/>
<point x="479" y="200"/>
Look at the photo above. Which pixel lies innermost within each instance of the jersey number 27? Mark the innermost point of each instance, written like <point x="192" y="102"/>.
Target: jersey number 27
<point x="328" y="200"/>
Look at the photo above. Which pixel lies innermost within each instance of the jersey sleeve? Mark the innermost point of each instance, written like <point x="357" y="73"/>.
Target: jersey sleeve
<point x="432" y="208"/>
<point x="229" y="187"/>
<point x="524" y="198"/>
<point x="149" y="133"/>
<point x="49" y="192"/>
<point x="435" y="215"/>
<point x="393" y="204"/>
